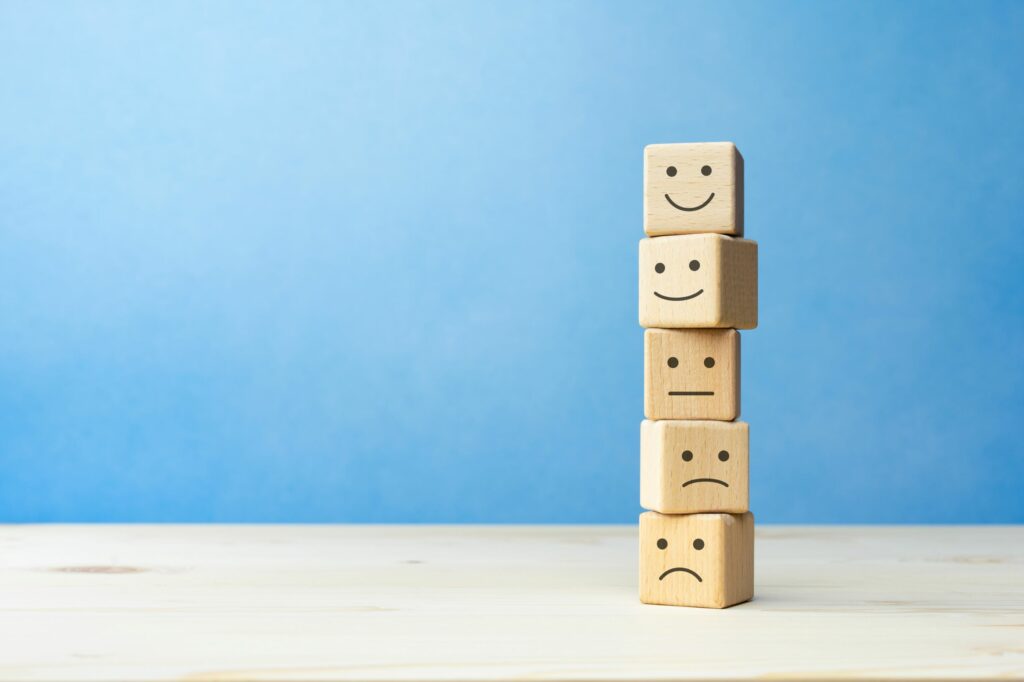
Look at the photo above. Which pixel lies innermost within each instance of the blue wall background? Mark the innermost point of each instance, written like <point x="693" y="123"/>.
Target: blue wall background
<point x="377" y="261"/>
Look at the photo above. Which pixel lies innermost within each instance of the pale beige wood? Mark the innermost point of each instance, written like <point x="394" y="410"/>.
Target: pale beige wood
<point x="498" y="603"/>
<point x="692" y="374"/>
<point x="704" y="560"/>
<point x="701" y="280"/>
<point x="692" y="188"/>
<point x="689" y="466"/>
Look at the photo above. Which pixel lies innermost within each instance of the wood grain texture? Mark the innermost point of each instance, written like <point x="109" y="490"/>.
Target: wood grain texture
<point x="704" y="560"/>
<point x="692" y="188"/>
<point x="498" y="603"/>
<point x="690" y="466"/>
<point x="715" y="276"/>
<point x="692" y="374"/>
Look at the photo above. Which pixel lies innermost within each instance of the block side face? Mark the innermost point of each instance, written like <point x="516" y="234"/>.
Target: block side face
<point x="739" y="286"/>
<point x="680" y="281"/>
<point x="651" y="492"/>
<point x="699" y="466"/>
<point x="691" y="188"/>
<point x="738" y="206"/>
<point x="739" y="568"/>
<point x="681" y="559"/>
<point x="691" y="374"/>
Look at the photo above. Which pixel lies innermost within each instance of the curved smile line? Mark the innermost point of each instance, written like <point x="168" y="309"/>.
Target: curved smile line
<point x="680" y="569"/>
<point x="678" y="298"/>
<point x="706" y="480"/>
<point x="688" y="208"/>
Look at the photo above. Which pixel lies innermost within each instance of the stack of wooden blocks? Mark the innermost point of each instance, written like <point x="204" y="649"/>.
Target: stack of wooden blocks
<point x="698" y="285"/>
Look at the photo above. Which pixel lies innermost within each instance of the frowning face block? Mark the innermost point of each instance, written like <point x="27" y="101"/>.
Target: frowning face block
<point x="692" y="374"/>
<point x="692" y="188"/>
<point x="689" y="466"/>
<point x="696" y="559"/>
<point x="700" y="280"/>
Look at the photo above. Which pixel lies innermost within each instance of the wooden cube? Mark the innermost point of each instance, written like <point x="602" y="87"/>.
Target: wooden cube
<point x="692" y="188"/>
<point x="692" y="374"/>
<point x="694" y="466"/>
<point x="698" y="280"/>
<point x="696" y="559"/>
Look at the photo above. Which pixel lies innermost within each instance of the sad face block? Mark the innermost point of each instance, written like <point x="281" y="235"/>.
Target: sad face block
<point x="692" y="374"/>
<point x="694" y="466"/>
<point x="692" y="188"/>
<point x="700" y="280"/>
<point x="696" y="559"/>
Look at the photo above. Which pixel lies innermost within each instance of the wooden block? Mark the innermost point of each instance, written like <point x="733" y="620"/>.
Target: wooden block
<point x="692" y="188"/>
<point x="692" y="374"/>
<point x="696" y="559"/>
<point x="698" y="280"/>
<point x="694" y="466"/>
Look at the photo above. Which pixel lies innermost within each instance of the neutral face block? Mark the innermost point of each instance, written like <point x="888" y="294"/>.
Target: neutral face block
<point x="700" y="280"/>
<point x="696" y="559"/>
<point x="692" y="374"/>
<point x="694" y="466"/>
<point x="693" y="188"/>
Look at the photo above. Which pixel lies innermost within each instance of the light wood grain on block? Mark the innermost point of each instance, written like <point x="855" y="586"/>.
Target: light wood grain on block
<point x="704" y="560"/>
<point x="692" y="188"/>
<point x="689" y="466"/>
<point x="703" y="280"/>
<point x="692" y="374"/>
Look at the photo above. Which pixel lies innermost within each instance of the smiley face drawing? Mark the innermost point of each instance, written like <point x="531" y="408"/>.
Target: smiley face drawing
<point x="689" y="466"/>
<point x="691" y="374"/>
<point x="693" y="188"/>
<point x="704" y="560"/>
<point x="701" y="281"/>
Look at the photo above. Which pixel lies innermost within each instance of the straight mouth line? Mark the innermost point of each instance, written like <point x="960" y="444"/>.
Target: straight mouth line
<point x="691" y="392"/>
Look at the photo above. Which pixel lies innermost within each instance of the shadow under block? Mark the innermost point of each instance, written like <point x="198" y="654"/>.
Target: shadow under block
<point x="693" y="188"/>
<point x="692" y="374"/>
<point x="699" y="280"/>
<point x="694" y="466"/>
<point x="696" y="559"/>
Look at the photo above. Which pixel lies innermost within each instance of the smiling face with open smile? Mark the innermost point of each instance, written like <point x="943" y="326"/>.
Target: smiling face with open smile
<point x="691" y="188"/>
<point x="696" y="559"/>
<point x="689" y="466"/>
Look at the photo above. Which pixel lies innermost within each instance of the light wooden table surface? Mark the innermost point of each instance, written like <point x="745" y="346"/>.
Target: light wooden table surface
<point x="496" y="603"/>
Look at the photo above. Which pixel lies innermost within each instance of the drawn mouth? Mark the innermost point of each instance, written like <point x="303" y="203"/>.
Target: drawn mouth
<point x="678" y="298"/>
<point x="680" y="569"/>
<point x="690" y="208"/>
<point x="706" y="480"/>
<point x="691" y="392"/>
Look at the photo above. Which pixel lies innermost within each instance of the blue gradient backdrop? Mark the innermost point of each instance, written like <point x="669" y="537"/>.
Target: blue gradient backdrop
<point x="376" y="262"/>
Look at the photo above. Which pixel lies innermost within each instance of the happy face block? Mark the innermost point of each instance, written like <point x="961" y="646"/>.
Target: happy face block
<point x="696" y="559"/>
<point x="692" y="188"/>
<point x="694" y="466"/>
<point x="701" y="280"/>
<point x="692" y="374"/>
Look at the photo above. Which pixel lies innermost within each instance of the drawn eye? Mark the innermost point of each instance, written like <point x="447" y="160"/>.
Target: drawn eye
<point x="662" y="543"/>
<point x="659" y="268"/>
<point x="706" y="171"/>
<point x="673" y="363"/>
<point x="687" y="455"/>
<point x="695" y="265"/>
<point x="671" y="171"/>
<point x="698" y="544"/>
<point x="709" y="362"/>
<point x="723" y="456"/>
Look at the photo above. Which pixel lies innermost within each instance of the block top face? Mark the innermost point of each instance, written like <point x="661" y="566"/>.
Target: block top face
<point x="693" y="187"/>
<point x="692" y="374"/>
<point x="698" y="281"/>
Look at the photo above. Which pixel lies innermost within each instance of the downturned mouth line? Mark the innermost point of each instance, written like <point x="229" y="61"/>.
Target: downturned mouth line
<point x="688" y="208"/>
<point x="680" y="569"/>
<point x="691" y="392"/>
<point x="678" y="298"/>
<point x="706" y="480"/>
